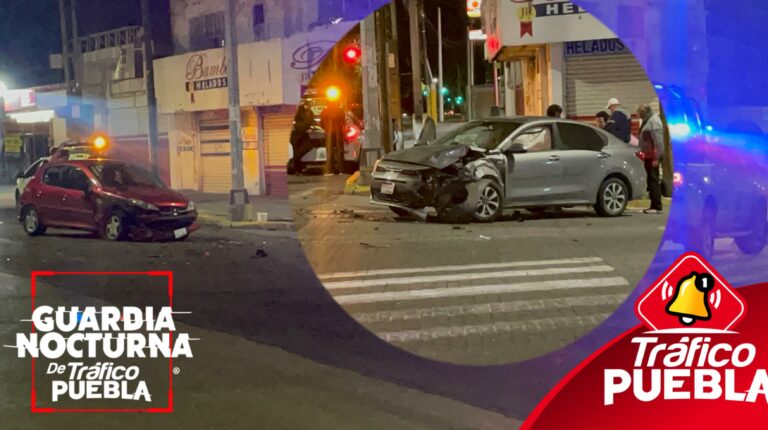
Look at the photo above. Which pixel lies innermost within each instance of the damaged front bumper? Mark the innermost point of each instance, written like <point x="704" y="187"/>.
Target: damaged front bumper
<point x="423" y="191"/>
<point x="163" y="227"/>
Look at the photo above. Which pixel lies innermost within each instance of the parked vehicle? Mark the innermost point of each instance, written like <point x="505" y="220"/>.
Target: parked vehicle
<point x="115" y="199"/>
<point x="317" y="153"/>
<point x="478" y="170"/>
<point x="709" y="190"/>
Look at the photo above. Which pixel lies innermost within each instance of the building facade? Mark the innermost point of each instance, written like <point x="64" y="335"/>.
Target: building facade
<point x="280" y="45"/>
<point x="556" y="53"/>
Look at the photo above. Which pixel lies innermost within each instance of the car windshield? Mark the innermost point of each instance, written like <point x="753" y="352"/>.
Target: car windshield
<point x="486" y="134"/>
<point x="124" y="175"/>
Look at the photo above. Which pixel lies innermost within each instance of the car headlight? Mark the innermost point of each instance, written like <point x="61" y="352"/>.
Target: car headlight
<point x="144" y="205"/>
<point x="191" y="205"/>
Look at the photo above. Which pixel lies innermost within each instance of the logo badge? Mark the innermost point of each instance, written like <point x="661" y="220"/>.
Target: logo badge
<point x="689" y="297"/>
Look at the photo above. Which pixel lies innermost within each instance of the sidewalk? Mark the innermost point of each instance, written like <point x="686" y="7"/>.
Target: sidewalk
<point x="213" y="209"/>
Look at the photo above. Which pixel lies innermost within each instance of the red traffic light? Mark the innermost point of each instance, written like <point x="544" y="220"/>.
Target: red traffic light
<point x="352" y="54"/>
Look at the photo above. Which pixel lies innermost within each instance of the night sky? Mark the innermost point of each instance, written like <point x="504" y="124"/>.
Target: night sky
<point x="29" y="32"/>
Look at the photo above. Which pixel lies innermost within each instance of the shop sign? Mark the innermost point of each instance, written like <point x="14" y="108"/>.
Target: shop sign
<point x="203" y="73"/>
<point x="595" y="47"/>
<point x="526" y="22"/>
<point x="19" y="99"/>
<point x="13" y="144"/>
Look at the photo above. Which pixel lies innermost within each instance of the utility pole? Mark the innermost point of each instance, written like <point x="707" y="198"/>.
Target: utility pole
<point x="441" y="107"/>
<point x="372" y="144"/>
<point x="413" y="18"/>
<point x="393" y="63"/>
<point x="64" y="24"/>
<point x="382" y="71"/>
<point x="149" y="77"/>
<point x="238" y="196"/>
<point x="76" y="49"/>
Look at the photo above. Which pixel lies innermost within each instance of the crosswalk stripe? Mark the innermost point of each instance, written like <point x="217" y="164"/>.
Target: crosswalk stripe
<point x="464" y="277"/>
<point x="492" y="328"/>
<point x="489" y="308"/>
<point x="349" y="299"/>
<point x="381" y="272"/>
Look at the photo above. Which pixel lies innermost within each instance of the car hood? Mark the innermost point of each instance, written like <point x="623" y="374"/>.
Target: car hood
<point x="437" y="156"/>
<point x="153" y="195"/>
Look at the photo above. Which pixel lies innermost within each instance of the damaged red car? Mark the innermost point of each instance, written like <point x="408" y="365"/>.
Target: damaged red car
<point x="114" y="199"/>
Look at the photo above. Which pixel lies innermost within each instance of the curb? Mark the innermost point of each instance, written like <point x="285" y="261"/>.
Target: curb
<point x="220" y="221"/>
<point x="353" y="188"/>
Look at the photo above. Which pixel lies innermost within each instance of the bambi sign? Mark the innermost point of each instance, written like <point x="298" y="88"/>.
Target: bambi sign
<point x="204" y="74"/>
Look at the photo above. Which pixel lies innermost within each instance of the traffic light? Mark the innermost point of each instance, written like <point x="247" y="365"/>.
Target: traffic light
<point x="459" y="100"/>
<point x="444" y="90"/>
<point x="333" y="93"/>
<point x="352" y="54"/>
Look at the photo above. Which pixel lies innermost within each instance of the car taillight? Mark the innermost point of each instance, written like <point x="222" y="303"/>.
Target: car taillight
<point x="677" y="179"/>
<point x="640" y="155"/>
<point x="352" y="133"/>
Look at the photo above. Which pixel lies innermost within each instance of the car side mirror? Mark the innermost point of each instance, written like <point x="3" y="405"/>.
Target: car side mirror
<point x="516" y="148"/>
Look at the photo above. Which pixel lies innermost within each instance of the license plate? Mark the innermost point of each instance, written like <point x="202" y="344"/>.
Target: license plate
<point x="321" y="154"/>
<point x="388" y="188"/>
<point x="179" y="233"/>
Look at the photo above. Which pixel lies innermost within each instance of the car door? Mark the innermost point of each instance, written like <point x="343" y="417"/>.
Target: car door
<point x="76" y="201"/>
<point x="583" y="161"/>
<point x="533" y="166"/>
<point x="47" y="197"/>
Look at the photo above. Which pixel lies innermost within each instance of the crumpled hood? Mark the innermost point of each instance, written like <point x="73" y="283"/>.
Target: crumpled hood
<point x="437" y="156"/>
<point x="153" y="195"/>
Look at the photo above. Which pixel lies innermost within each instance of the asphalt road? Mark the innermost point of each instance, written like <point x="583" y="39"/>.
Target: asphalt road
<point x="478" y="293"/>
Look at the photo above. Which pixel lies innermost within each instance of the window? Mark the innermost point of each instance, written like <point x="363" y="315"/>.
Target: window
<point x="580" y="137"/>
<point x="121" y="175"/>
<point x="76" y="179"/>
<point x="54" y="176"/>
<point x="487" y="135"/>
<point x="206" y="31"/>
<point x="535" y="139"/>
<point x="259" y="21"/>
<point x="31" y="170"/>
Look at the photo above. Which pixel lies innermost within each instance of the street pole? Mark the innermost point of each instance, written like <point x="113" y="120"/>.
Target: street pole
<point x="471" y="77"/>
<point x="382" y="71"/>
<point x="395" y="105"/>
<point x="372" y="144"/>
<point x="65" y="44"/>
<point x="238" y="196"/>
<point x="441" y="107"/>
<point x="415" y="34"/>
<point x="149" y="77"/>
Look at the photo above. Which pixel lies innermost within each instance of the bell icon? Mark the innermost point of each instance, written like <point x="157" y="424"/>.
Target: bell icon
<point x="690" y="302"/>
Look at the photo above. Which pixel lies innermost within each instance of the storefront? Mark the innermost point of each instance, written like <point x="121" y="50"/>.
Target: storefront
<point x="556" y="53"/>
<point x="596" y="70"/>
<point x="192" y="93"/>
<point x="32" y="125"/>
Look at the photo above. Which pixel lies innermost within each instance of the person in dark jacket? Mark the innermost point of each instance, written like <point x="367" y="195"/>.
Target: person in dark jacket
<point x="555" y="111"/>
<point x="620" y="124"/>
<point x="333" y="119"/>
<point x="652" y="147"/>
<point x="299" y="138"/>
<point x="601" y="119"/>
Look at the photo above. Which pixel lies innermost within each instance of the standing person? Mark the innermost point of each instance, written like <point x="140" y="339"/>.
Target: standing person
<point x="652" y="147"/>
<point x="555" y="111"/>
<point x="302" y="122"/>
<point x="601" y="119"/>
<point x="333" y="119"/>
<point x="620" y="124"/>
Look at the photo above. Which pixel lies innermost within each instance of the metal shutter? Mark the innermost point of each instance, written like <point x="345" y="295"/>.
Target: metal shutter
<point x="215" y="156"/>
<point x="277" y="133"/>
<point x="591" y="81"/>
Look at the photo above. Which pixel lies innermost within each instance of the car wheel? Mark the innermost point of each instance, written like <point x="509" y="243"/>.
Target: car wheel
<point x="612" y="198"/>
<point x="755" y="242"/>
<point x="702" y="238"/>
<point x="289" y="167"/>
<point x="490" y="203"/>
<point x="31" y="222"/>
<point x="114" y="227"/>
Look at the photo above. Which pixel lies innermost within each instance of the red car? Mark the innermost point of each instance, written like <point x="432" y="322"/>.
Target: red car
<point x="115" y="199"/>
